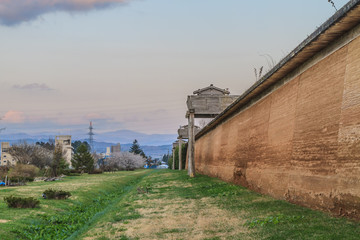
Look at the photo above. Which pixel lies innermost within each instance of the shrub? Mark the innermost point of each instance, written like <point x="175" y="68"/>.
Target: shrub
<point x="72" y="172"/>
<point x="21" y="179"/>
<point x="56" y="194"/>
<point x="23" y="172"/>
<point x="96" y="171"/>
<point x="19" y="202"/>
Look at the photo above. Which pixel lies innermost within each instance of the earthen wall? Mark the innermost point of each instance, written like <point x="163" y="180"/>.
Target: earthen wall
<point x="301" y="142"/>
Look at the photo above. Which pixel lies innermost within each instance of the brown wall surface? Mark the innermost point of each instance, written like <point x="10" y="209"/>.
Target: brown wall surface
<point x="301" y="142"/>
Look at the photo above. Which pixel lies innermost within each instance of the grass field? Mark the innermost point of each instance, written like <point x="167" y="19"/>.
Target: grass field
<point x="163" y="204"/>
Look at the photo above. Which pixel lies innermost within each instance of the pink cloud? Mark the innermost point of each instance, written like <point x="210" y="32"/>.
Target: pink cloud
<point x="13" y="12"/>
<point x="14" y="117"/>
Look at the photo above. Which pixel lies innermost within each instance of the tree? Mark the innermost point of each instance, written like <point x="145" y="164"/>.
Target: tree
<point x="48" y="145"/>
<point x="31" y="154"/>
<point x="165" y="158"/>
<point x="4" y="172"/>
<point x="125" y="161"/>
<point x="136" y="149"/>
<point x="58" y="165"/>
<point x="82" y="159"/>
<point x="76" y="145"/>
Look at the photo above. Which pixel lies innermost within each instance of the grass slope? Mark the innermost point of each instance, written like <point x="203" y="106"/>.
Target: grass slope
<point x="166" y="204"/>
<point x="84" y="189"/>
<point x="169" y="205"/>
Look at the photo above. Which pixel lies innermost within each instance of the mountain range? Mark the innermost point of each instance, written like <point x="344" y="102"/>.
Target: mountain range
<point x="154" y="145"/>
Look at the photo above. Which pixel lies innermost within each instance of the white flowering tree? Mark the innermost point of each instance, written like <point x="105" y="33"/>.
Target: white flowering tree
<point x="125" y="161"/>
<point x="31" y="154"/>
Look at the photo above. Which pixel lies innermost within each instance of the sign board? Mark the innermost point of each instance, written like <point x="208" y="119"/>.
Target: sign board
<point x="209" y="106"/>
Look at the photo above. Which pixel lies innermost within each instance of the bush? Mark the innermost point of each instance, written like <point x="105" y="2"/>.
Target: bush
<point x="96" y="171"/>
<point x="72" y="172"/>
<point x="21" y="179"/>
<point x="19" y="202"/>
<point x="23" y="172"/>
<point x="56" y="194"/>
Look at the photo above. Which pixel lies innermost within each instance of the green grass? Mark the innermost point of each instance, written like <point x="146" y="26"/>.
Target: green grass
<point x="115" y="207"/>
<point x="263" y="216"/>
<point x="85" y="190"/>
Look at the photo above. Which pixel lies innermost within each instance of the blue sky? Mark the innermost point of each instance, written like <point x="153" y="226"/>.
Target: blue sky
<point x="131" y="64"/>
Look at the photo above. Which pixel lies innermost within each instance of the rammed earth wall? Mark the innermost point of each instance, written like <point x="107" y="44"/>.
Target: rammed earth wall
<point x="301" y="140"/>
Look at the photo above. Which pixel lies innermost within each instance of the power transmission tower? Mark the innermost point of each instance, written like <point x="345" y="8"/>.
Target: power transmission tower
<point x="91" y="137"/>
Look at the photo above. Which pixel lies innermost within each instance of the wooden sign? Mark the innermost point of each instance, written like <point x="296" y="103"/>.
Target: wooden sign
<point x="210" y="101"/>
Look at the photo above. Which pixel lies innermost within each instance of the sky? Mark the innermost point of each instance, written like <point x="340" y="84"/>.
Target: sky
<point x="130" y="64"/>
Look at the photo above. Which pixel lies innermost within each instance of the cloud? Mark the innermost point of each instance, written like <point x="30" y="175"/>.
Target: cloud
<point x="33" y="86"/>
<point x="14" y="117"/>
<point x="13" y="12"/>
<point x="96" y="116"/>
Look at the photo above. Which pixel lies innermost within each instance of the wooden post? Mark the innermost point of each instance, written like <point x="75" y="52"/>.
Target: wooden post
<point x="180" y="155"/>
<point x="173" y="157"/>
<point x="191" y="144"/>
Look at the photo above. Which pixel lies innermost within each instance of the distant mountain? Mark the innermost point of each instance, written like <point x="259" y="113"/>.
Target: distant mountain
<point x="119" y="136"/>
<point x="127" y="136"/>
<point x="154" y="145"/>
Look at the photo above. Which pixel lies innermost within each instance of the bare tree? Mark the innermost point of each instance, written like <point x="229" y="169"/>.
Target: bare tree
<point x="258" y="76"/>
<point x="31" y="154"/>
<point x="333" y="4"/>
<point x="269" y="60"/>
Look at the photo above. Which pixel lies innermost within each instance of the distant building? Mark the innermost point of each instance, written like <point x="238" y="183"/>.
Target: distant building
<point x="116" y="148"/>
<point x="64" y="141"/>
<point x="6" y="158"/>
<point x="108" y="153"/>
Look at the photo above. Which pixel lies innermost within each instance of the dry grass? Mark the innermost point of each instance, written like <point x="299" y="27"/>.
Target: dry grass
<point x="182" y="219"/>
<point x="163" y="217"/>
